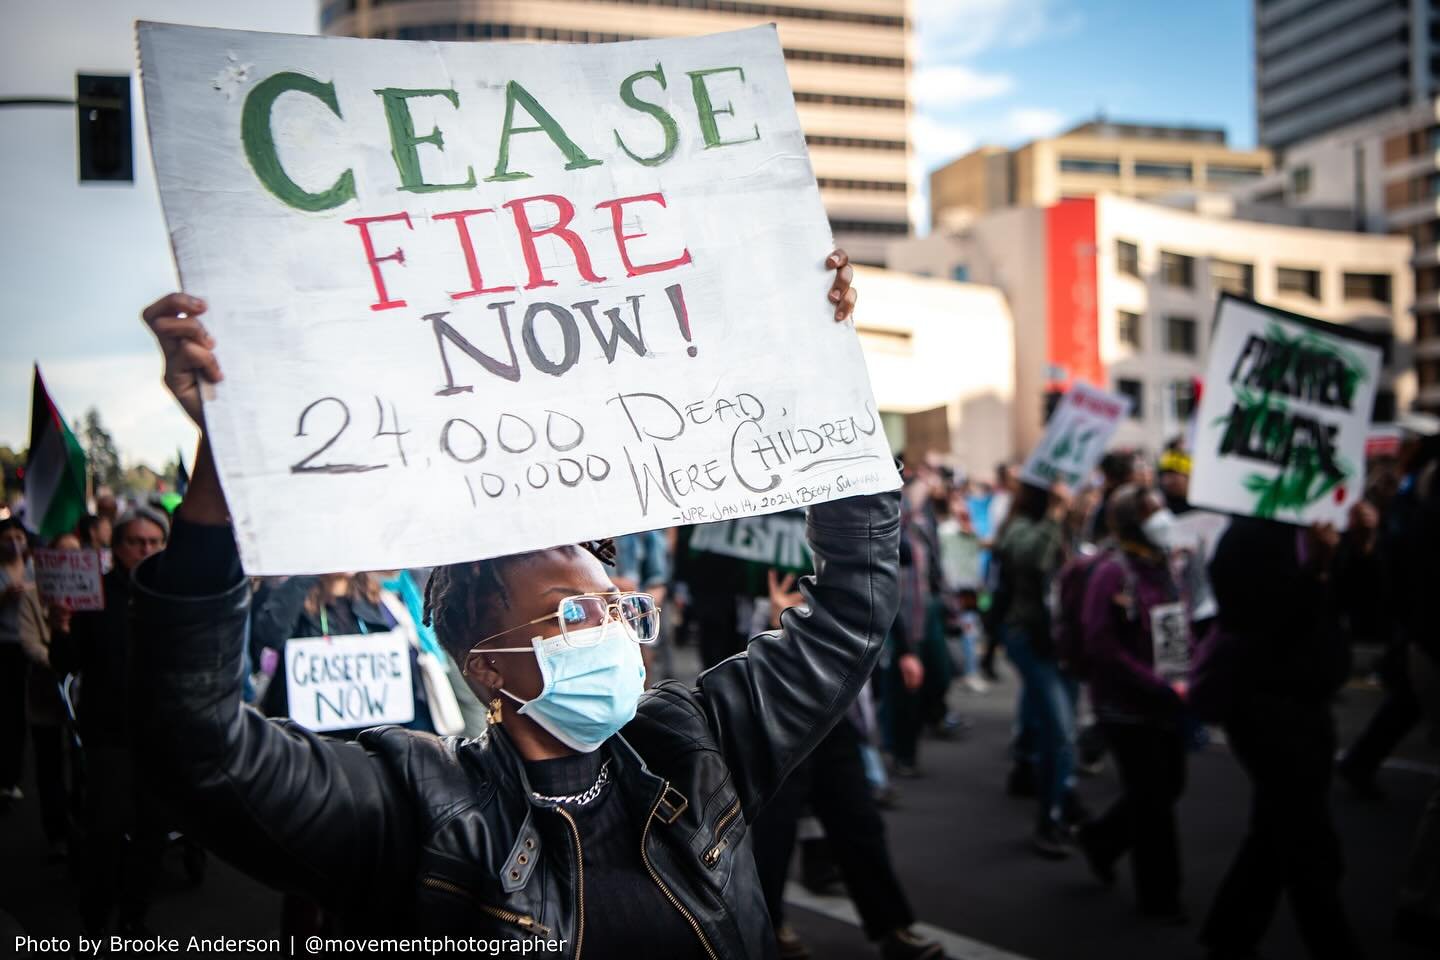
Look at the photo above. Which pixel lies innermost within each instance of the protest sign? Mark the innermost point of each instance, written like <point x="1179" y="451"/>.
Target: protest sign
<point x="777" y="540"/>
<point x="1170" y="640"/>
<point x="341" y="683"/>
<point x="1193" y="539"/>
<point x="1076" y="436"/>
<point x="70" y="578"/>
<point x="472" y="299"/>
<point x="1282" y="422"/>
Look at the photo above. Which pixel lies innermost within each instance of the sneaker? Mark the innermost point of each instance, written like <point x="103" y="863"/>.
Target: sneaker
<point x="1051" y="840"/>
<point x="905" y="945"/>
<point x="790" y="944"/>
<point x="12" y="793"/>
<point x="887" y="797"/>
<point x="1073" y="812"/>
<point x="1102" y="867"/>
<point x="1021" y="781"/>
<point x="1170" y="915"/>
<point x="975" y="685"/>
<point x="1365" y="788"/>
<point x="906" y="771"/>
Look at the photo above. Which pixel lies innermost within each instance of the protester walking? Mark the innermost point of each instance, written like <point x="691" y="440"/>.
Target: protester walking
<point x="1283" y="659"/>
<point x="45" y="711"/>
<point x="124" y="828"/>
<point x="17" y="582"/>
<point x="1031" y="550"/>
<point x="1130" y="596"/>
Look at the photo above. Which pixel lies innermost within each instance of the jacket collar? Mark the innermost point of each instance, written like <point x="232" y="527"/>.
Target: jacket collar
<point x="628" y="769"/>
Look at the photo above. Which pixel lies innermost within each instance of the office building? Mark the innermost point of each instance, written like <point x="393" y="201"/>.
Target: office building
<point x="1381" y="175"/>
<point x="1322" y="64"/>
<point x="941" y="357"/>
<point x="1121" y="293"/>
<point x="849" y="64"/>
<point x="1133" y="160"/>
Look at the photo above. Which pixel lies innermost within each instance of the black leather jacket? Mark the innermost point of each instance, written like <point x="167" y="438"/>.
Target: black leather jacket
<point x="408" y="834"/>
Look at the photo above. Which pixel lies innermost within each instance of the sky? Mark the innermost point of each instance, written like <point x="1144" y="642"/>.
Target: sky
<point x="78" y="263"/>
<point x="1006" y="72"/>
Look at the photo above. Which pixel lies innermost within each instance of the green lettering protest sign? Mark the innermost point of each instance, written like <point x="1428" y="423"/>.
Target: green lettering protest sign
<point x="1281" y="427"/>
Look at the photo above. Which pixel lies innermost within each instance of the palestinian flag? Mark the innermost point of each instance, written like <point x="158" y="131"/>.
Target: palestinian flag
<point x="54" y="470"/>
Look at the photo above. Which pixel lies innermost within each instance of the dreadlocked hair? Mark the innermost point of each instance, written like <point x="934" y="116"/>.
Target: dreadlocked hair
<point x="461" y="595"/>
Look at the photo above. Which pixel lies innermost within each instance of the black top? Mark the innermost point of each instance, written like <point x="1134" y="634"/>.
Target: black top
<point x="626" y="914"/>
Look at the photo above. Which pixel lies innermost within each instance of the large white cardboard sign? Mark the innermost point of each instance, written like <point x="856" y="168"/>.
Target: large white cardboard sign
<point x="343" y="683"/>
<point x="1076" y="436"/>
<point x="72" y="579"/>
<point x="1281" y="428"/>
<point x="472" y="299"/>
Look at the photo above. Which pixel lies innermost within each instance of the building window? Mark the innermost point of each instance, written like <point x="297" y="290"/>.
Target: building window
<point x="1181" y="400"/>
<point x="1135" y="390"/>
<point x="840" y="183"/>
<point x="1428" y="371"/>
<point x="1305" y="283"/>
<point x="1102" y="166"/>
<point x="1180" y="335"/>
<point x="845" y="100"/>
<point x="960" y="273"/>
<point x="1163" y="171"/>
<point x="1367" y="286"/>
<point x="1231" y="173"/>
<point x="859" y="143"/>
<point x="1177" y="270"/>
<point x="1427" y="327"/>
<point x="1127" y="258"/>
<point x="1427" y="280"/>
<point x="1129" y="329"/>
<point x="1300" y="181"/>
<point x="1233" y="277"/>
<point x="884" y="227"/>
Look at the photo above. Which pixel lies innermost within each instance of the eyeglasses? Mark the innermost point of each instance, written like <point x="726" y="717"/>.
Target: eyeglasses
<point x="580" y="613"/>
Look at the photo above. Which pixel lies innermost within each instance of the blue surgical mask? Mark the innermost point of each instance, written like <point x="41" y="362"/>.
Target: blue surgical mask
<point x="593" y="681"/>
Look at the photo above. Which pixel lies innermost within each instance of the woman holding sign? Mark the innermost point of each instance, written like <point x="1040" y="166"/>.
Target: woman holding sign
<point x="555" y="826"/>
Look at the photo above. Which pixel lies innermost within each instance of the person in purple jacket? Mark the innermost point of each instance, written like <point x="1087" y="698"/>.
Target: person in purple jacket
<point x="1133" y="626"/>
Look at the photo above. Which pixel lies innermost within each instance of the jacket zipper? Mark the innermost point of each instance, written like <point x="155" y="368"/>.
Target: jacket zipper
<point x="508" y="916"/>
<point x="712" y="856"/>
<point x="645" y="858"/>
<point x="579" y="881"/>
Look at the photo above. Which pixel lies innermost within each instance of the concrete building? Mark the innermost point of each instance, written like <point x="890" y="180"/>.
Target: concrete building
<point x="1133" y="160"/>
<point x="1380" y="175"/>
<point x="941" y="357"/>
<point x="1121" y="293"/>
<point x="849" y="64"/>
<point x="1322" y="64"/>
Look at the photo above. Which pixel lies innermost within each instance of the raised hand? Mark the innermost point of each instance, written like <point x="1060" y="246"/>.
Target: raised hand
<point x="841" y="293"/>
<point x="188" y="349"/>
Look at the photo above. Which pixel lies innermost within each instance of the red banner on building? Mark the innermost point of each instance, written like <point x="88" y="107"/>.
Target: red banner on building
<point x="1073" y="317"/>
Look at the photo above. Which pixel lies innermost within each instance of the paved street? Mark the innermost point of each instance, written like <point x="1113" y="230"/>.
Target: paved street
<point x="959" y="844"/>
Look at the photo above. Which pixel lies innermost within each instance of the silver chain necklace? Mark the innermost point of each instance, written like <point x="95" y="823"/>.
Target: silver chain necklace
<point x="580" y="799"/>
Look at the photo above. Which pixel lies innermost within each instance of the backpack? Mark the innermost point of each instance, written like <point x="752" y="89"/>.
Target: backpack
<point x="1067" y="603"/>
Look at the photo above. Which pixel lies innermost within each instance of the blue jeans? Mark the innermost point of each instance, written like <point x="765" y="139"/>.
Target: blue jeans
<point x="1047" y="719"/>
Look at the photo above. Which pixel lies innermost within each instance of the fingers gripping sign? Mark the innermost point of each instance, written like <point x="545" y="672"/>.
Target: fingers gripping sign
<point x="842" y="294"/>
<point x="188" y="348"/>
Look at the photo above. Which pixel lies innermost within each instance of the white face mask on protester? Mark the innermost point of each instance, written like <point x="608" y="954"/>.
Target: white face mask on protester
<point x="1158" y="528"/>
